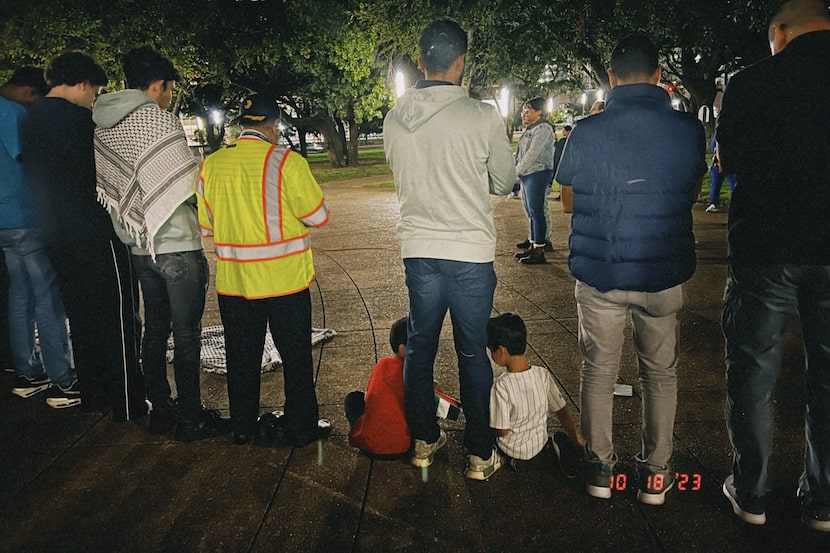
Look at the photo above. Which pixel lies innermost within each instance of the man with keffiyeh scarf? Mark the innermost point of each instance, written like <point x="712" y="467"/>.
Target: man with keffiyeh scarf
<point x="145" y="178"/>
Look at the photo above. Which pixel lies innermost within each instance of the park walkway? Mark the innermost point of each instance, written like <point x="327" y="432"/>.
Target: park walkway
<point x="74" y="481"/>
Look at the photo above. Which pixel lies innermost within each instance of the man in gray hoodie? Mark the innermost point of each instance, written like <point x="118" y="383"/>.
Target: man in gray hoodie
<point x="146" y="178"/>
<point x="442" y="144"/>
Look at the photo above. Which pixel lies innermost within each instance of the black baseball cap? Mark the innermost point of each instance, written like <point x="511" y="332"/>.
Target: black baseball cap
<point x="257" y="108"/>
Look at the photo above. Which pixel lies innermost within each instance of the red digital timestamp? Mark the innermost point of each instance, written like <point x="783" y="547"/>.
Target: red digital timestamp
<point x="683" y="482"/>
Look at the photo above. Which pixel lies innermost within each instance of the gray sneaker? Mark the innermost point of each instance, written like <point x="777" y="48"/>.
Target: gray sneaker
<point x="423" y="454"/>
<point x="597" y="478"/>
<point x="482" y="469"/>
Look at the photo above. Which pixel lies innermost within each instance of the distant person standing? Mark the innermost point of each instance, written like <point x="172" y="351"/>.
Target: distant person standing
<point x="258" y="199"/>
<point x="34" y="296"/>
<point x="632" y="248"/>
<point x="98" y="288"/>
<point x="534" y="167"/>
<point x="779" y="253"/>
<point x="717" y="178"/>
<point x="153" y="210"/>
<point x="442" y="144"/>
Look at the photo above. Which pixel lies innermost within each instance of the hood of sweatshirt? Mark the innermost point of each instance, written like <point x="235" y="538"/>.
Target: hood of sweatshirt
<point x="419" y="105"/>
<point x="110" y="109"/>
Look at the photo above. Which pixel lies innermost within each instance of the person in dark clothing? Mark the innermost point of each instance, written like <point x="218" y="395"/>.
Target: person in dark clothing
<point x="779" y="253"/>
<point x="98" y="288"/>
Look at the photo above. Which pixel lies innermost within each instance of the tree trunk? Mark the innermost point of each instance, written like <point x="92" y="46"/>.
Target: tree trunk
<point x="354" y="133"/>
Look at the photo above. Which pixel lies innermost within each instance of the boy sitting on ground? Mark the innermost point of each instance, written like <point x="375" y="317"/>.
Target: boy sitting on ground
<point x="377" y="419"/>
<point x="520" y="400"/>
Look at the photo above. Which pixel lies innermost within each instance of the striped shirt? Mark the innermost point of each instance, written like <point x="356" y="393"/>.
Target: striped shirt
<point x="520" y="402"/>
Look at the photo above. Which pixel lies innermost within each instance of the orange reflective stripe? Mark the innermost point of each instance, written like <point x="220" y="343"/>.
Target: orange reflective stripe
<point x="262" y="252"/>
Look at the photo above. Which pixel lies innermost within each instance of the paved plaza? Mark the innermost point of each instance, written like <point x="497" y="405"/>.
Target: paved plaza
<point x="75" y="481"/>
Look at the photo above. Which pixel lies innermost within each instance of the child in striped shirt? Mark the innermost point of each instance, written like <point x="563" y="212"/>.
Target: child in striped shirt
<point x="520" y="400"/>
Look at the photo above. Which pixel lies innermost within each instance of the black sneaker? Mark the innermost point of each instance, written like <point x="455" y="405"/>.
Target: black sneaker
<point x="750" y="511"/>
<point x="548" y="247"/>
<point x="653" y="486"/>
<point x="270" y="430"/>
<point x="524" y="245"/>
<point x="815" y="514"/>
<point x="207" y="424"/>
<point x="61" y="398"/>
<point x="569" y="454"/>
<point x="524" y="253"/>
<point x="535" y="256"/>
<point x="163" y="418"/>
<point x="26" y="387"/>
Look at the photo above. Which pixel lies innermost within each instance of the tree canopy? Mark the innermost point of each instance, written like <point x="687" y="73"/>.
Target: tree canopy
<point x="332" y="62"/>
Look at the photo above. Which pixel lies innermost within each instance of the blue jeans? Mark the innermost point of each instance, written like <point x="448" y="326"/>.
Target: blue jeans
<point x="759" y="302"/>
<point x="602" y="320"/>
<point x="717" y="182"/>
<point x="34" y="298"/>
<point x="173" y="287"/>
<point x="535" y="188"/>
<point x="466" y="289"/>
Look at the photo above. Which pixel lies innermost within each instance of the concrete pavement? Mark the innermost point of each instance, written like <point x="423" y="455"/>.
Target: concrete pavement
<point x="74" y="481"/>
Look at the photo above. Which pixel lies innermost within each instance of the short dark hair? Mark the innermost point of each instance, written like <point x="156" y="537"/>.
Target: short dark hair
<point x="30" y="76"/>
<point x="536" y="104"/>
<point x="441" y="43"/>
<point x="507" y="330"/>
<point x="74" y="67"/>
<point x="567" y="128"/>
<point x="398" y="334"/>
<point x="143" y="66"/>
<point x="633" y="56"/>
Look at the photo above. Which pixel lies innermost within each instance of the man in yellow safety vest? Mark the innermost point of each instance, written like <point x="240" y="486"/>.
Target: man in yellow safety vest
<point x="258" y="199"/>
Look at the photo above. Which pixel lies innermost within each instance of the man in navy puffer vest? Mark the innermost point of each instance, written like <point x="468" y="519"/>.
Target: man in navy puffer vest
<point x="635" y="170"/>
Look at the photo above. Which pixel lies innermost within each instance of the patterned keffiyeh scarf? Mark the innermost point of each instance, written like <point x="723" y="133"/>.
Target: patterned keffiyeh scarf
<point x="145" y="170"/>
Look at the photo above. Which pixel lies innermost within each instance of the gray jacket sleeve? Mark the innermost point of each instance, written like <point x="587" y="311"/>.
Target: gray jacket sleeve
<point x="500" y="164"/>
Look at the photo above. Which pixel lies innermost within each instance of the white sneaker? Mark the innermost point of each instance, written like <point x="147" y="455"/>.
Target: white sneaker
<point x="423" y="454"/>
<point x="712" y="209"/>
<point x="480" y="469"/>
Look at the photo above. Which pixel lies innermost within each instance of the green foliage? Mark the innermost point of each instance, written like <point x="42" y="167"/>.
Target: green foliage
<point x="330" y="60"/>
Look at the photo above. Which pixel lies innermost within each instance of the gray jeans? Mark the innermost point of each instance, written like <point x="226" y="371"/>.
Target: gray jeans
<point x="602" y="320"/>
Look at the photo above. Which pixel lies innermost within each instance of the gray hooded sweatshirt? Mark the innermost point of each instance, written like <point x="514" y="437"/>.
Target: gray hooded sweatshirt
<point x="448" y="153"/>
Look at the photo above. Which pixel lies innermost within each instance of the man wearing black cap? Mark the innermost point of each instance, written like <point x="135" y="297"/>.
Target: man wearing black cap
<point x="146" y="178"/>
<point x="441" y="143"/>
<point x="258" y="199"/>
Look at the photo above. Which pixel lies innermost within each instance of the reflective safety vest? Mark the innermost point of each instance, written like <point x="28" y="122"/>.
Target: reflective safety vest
<point x="258" y="200"/>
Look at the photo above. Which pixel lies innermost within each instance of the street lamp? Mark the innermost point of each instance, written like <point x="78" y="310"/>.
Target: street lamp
<point x="216" y="117"/>
<point x="504" y="101"/>
<point x="600" y="94"/>
<point x="400" y="83"/>
<point x="583" y="100"/>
